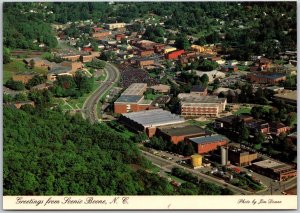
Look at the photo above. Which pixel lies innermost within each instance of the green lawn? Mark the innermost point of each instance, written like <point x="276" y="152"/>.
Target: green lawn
<point x="243" y="110"/>
<point x="176" y="179"/>
<point x="199" y="123"/>
<point x="152" y="96"/>
<point x="19" y="66"/>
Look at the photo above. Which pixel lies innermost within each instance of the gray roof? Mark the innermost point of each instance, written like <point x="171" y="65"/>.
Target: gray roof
<point x="59" y="69"/>
<point x="129" y="99"/>
<point x="203" y="99"/>
<point x="208" y="139"/>
<point x="154" y="118"/>
<point x="186" y="130"/>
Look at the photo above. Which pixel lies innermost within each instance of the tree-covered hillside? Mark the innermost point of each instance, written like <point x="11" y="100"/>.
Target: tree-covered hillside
<point x="48" y="153"/>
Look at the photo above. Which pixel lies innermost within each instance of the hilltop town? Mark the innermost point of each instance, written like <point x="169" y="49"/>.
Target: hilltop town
<point x="197" y="110"/>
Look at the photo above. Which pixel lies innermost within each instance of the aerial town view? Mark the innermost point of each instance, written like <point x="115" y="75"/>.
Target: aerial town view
<point x="150" y="98"/>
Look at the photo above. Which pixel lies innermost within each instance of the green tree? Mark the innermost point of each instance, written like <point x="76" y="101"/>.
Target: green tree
<point x="182" y="42"/>
<point x="6" y="55"/>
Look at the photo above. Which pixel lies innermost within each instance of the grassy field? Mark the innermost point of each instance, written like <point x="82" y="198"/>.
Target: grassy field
<point x="243" y="110"/>
<point x="199" y="123"/>
<point x="19" y="66"/>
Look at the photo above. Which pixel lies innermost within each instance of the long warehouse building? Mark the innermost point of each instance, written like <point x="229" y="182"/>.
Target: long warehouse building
<point x="148" y="120"/>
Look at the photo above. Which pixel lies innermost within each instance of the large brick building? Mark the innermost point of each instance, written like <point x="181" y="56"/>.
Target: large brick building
<point x="131" y="103"/>
<point x="149" y="120"/>
<point x="275" y="170"/>
<point x="241" y="157"/>
<point x="202" y="105"/>
<point x="178" y="134"/>
<point x="205" y="144"/>
<point x="132" y="99"/>
<point x="266" y="77"/>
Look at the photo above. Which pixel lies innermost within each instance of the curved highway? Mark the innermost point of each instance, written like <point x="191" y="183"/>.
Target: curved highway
<point x="89" y="109"/>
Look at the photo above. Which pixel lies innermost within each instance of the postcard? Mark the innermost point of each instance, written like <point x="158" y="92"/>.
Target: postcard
<point x="150" y="105"/>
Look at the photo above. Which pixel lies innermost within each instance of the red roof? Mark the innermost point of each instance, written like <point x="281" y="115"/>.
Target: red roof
<point x="174" y="54"/>
<point x="87" y="49"/>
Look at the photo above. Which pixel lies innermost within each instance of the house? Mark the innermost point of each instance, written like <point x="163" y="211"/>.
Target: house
<point x="143" y="52"/>
<point x="263" y="63"/>
<point x="276" y="128"/>
<point x="144" y="62"/>
<point x="119" y="37"/>
<point x="229" y="68"/>
<point x="258" y="125"/>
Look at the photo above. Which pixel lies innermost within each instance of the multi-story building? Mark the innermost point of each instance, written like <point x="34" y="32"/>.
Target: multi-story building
<point x="241" y="157"/>
<point x="275" y="170"/>
<point x="132" y="99"/>
<point x="202" y="105"/>
<point x="114" y="26"/>
<point x="266" y="77"/>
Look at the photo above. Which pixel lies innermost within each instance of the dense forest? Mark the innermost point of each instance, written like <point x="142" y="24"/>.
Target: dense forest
<point x="98" y="160"/>
<point x="258" y="27"/>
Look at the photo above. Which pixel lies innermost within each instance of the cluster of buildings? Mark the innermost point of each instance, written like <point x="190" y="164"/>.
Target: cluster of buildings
<point x="53" y="69"/>
<point x="254" y="125"/>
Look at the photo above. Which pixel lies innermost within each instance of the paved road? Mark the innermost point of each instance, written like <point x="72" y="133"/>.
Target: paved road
<point x="167" y="166"/>
<point x="89" y="111"/>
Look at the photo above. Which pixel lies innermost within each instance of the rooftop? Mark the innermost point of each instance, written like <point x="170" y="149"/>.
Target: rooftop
<point x="268" y="164"/>
<point x="203" y="99"/>
<point x="198" y="88"/>
<point x="135" y="89"/>
<point x="291" y="95"/>
<point x="154" y="118"/>
<point x="186" y="130"/>
<point x="129" y="99"/>
<point x="208" y="139"/>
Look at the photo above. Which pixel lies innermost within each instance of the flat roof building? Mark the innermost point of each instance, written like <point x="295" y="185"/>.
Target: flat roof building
<point x="149" y="120"/>
<point x="241" y="157"/>
<point x="205" y="144"/>
<point x="202" y="105"/>
<point x="275" y="170"/>
<point x="178" y="134"/>
<point x="135" y="89"/>
<point x="132" y="99"/>
<point x="288" y="96"/>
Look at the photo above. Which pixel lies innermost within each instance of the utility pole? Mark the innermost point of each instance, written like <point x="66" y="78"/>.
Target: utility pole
<point x="271" y="187"/>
